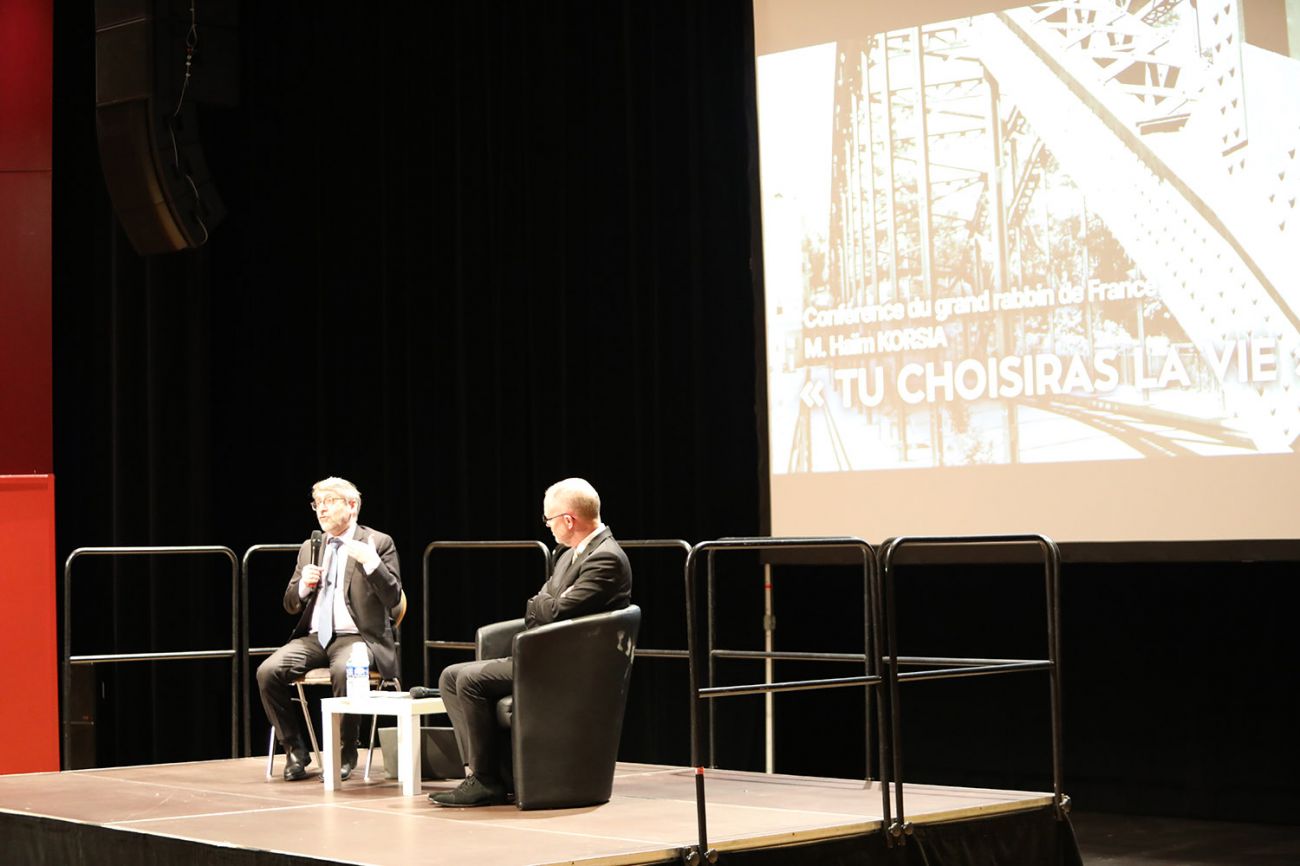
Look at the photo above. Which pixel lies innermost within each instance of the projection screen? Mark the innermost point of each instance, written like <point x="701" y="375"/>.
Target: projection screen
<point x="1030" y="268"/>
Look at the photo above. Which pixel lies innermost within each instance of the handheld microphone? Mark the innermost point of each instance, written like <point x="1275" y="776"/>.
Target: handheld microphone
<point x="316" y="537"/>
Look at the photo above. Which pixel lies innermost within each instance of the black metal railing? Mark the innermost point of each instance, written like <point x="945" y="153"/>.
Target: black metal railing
<point x="103" y="658"/>
<point x="661" y="544"/>
<point x="430" y="643"/>
<point x="248" y="652"/>
<point x="632" y="544"/>
<point x="954" y="668"/>
<point x="703" y="657"/>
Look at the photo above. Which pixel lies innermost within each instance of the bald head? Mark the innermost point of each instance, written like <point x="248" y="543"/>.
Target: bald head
<point x="571" y="509"/>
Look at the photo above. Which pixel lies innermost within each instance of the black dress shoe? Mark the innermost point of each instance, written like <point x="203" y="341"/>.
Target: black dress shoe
<point x="474" y="791"/>
<point x="347" y="762"/>
<point x="297" y="759"/>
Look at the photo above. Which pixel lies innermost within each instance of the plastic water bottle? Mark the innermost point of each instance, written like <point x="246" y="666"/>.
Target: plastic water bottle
<point x="359" y="671"/>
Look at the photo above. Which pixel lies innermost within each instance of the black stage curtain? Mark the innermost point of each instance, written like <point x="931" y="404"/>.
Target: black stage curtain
<point x="471" y="249"/>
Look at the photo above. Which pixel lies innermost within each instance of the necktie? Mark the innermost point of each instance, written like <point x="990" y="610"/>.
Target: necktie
<point x="322" y="618"/>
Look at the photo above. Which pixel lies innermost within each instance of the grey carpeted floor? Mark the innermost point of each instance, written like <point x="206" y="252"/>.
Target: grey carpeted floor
<point x="1127" y="840"/>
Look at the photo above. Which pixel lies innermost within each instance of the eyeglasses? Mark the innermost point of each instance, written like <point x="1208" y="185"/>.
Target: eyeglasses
<point x="318" y="504"/>
<point x="546" y="521"/>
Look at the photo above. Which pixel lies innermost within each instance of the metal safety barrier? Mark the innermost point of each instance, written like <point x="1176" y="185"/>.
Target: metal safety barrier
<point x="247" y="652"/>
<point x="636" y="543"/>
<point x="101" y="658"/>
<point x="704" y="658"/>
<point x="429" y="643"/>
<point x="661" y="544"/>
<point x="953" y="668"/>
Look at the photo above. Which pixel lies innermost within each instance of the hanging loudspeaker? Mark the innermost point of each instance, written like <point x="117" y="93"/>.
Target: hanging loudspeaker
<point x="155" y="62"/>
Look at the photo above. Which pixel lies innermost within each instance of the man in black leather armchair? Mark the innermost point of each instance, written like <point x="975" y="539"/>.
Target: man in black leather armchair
<point x="591" y="575"/>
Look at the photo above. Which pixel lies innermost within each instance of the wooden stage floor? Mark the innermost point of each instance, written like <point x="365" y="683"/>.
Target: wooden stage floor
<point x="231" y="804"/>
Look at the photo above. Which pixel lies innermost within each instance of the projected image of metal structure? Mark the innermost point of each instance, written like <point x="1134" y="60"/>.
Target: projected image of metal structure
<point x="1054" y="233"/>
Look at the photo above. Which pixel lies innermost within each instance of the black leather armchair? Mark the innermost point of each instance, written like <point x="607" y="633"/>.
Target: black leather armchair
<point x="565" y="717"/>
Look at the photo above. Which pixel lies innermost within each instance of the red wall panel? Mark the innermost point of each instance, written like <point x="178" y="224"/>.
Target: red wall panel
<point x="26" y="360"/>
<point x="29" y="727"/>
<point x="26" y="45"/>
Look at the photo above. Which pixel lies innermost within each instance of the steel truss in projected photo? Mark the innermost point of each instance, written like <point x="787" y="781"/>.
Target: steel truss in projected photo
<point x="1053" y="233"/>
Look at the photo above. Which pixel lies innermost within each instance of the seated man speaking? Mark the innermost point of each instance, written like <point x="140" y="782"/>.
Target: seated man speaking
<point x="344" y="592"/>
<point x="590" y="575"/>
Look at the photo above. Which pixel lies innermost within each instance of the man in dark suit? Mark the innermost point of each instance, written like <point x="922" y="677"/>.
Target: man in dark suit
<point x="591" y="574"/>
<point x="344" y="598"/>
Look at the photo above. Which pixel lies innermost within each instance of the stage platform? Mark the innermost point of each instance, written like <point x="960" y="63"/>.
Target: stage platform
<point x="227" y="812"/>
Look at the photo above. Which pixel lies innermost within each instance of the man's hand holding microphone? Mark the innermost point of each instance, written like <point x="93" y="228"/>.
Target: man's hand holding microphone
<point x="363" y="552"/>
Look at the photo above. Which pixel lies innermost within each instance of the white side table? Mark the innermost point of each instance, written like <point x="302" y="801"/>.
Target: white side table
<point x="405" y="709"/>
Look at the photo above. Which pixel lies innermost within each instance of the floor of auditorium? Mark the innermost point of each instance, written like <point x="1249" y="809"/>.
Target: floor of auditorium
<point x="1129" y="840"/>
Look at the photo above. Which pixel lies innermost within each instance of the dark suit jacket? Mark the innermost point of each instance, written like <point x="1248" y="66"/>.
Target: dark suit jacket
<point x="597" y="581"/>
<point x="369" y="598"/>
